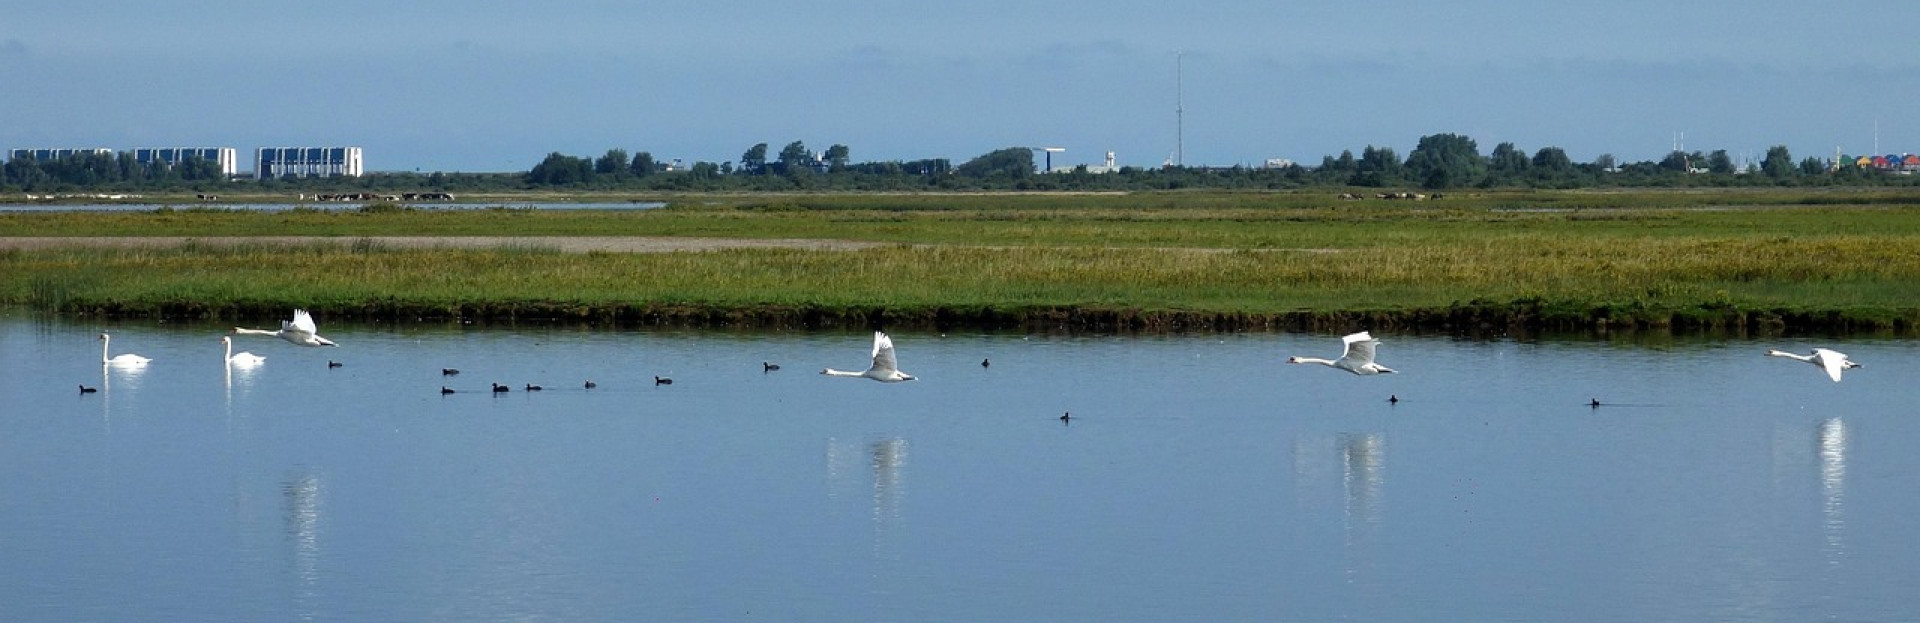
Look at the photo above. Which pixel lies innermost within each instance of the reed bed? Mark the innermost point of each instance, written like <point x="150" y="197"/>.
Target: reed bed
<point x="1585" y="278"/>
<point x="1803" y="257"/>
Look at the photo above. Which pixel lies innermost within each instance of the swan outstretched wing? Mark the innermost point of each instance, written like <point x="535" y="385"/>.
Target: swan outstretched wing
<point x="302" y="321"/>
<point x="883" y="353"/>
<point x="1833" y="362"/>
<point x="1359" y="348"/>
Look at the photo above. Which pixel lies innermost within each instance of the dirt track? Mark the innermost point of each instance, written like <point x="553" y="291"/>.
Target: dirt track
<point x="570" y="244"/>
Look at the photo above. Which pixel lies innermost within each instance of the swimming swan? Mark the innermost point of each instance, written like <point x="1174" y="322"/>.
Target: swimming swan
<point x="126" y="359"/>
<point x="244" y="360"/>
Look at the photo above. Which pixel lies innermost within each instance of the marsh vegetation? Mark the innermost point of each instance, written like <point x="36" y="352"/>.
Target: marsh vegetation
<point x="1751" y="259"/>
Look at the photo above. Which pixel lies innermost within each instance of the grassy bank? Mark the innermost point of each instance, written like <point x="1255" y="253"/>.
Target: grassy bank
<point x="1755" y="261"/>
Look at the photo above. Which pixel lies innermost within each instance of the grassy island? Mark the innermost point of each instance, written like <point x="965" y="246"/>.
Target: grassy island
<point x="1761" y="260"/>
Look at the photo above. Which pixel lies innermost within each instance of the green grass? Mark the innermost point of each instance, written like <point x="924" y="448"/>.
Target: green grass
<point x="1834" y="259"/>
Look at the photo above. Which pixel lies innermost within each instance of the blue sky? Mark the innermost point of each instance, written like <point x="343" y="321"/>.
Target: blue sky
<point x="486" y="85"/>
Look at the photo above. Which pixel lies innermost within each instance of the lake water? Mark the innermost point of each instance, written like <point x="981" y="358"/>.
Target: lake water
<point x="1200" y="478"/>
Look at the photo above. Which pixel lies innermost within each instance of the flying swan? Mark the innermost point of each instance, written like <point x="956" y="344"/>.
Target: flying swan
<point x="1357" y="359"/>
<point x="300" y="331"/>
<point x="124" y="359"/>
<point x="884" y="369"/>
<point x="1831" y="361"/>
<point x="244" y="359"/>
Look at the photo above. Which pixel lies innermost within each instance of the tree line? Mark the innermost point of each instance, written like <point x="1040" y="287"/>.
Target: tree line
<point x="1437" y="162"/>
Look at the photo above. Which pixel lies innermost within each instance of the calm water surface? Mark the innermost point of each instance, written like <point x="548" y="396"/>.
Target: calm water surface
<point x="1201" y="478"/>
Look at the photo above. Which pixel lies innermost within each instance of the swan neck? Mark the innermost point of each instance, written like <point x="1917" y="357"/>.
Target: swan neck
<point x="833" y="372"/>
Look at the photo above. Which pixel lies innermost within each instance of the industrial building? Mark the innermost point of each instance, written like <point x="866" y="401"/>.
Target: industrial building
<point x="227" y="157"/>
<point x="49" y="155"/>
<point x="273" y="162"/>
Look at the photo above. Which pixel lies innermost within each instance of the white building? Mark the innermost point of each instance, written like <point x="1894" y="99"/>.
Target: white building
<point x="48" y="155"/>
<point x="272" y="162"/>
<point x="227" y="157"/>
<point x="1109" y="167"/>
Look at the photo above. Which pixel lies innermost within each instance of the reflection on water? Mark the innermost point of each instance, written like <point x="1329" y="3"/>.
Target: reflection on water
<point x="1363" y="456"/>
<point x="1358" y="462"/>
<point x="885" y="460"/>
<point x="889" y="482"/>
<point x="1363" y="462"/>
<point x="368" y="492"/>
<point x="303" y="501"/>
<point x="113" y="378"/>
<point x="1832" y="439"/>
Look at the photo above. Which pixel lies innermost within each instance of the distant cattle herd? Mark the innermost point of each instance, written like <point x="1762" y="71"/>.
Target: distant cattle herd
<point x="378" y="197"/>
<point x="1413" y="196"/>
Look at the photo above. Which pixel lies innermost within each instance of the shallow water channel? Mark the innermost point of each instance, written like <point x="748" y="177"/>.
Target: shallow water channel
<point x="1200" y="478"/>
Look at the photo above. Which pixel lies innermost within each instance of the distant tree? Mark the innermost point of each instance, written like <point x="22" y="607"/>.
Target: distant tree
<point x="1605" y="162"/>
<point x="1012" y="163"/>
<point x="706" y="170"/>
<point x="754" y="162"/>
<point x="560" y="170"/>
<point x="1719" y="163"/>
<point x="1346" y="163"/>
<point x="1446" y="161"/>
<point x="1813" y="166"/>
<point x="1554" y="161"/>
<point x="1677" y="160"/>
<point x="837" y="156"/>
<point x="1378" y="166"/>
<point x="1507" y="164"/>
<point x="615" y="161"/>
<point x="642" y="165"/>
<point x="795" y="159"/>
<point x="931" y="167"/>
<point x="1778" y="164"/>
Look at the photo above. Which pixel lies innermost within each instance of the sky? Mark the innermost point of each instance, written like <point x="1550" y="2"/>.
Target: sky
<point x="492" y="85"/>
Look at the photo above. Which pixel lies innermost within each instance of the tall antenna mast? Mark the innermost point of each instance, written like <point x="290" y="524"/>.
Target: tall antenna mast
<point x="1180" y="111"/>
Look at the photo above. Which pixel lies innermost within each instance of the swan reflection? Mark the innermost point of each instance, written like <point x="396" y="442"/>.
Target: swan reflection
<point x="885" y="460"/>
<point x="303" y="500"/>
<point x="1832" y="441"/>
<point x="1363" y="459"/>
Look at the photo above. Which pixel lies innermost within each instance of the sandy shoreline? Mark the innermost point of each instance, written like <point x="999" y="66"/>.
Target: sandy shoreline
<point x="569" y="244"/>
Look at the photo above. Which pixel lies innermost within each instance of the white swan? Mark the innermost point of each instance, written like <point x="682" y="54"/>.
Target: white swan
<point x="300" y="331"/>
<point x="884" y="369"/>
<point x="244" y="359"/>
<point x="1831" y="361"/>
<point x="1357" y="359"/>
<point x="125" y="359"/>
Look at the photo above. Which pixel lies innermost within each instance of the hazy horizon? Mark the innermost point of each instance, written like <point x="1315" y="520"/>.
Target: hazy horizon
<point x="494" y="86"/>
